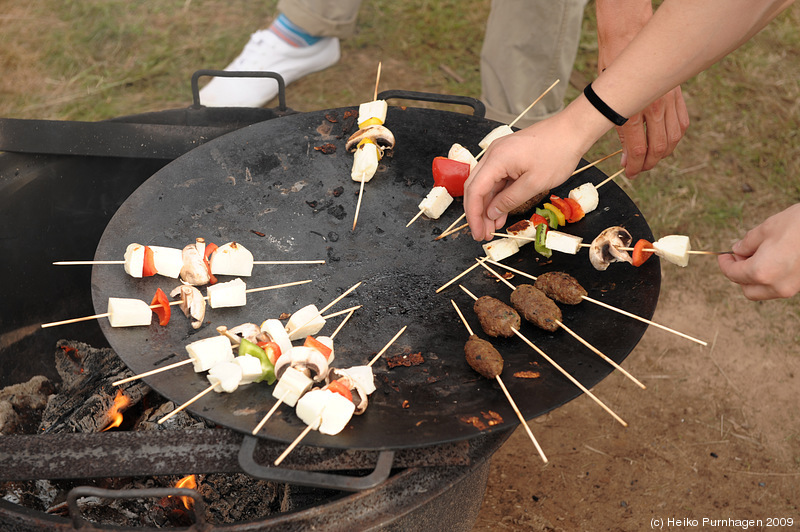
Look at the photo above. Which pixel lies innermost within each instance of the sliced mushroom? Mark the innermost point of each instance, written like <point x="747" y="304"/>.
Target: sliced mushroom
<point x="309" y="361"/>
<point x="605" y="249"/>
<point x="193" y="304"/>
<point x="380" y="135"/>
<point x="360" y="396"/>
<point x="195" y="271"/>
<point x="248" y="331"/>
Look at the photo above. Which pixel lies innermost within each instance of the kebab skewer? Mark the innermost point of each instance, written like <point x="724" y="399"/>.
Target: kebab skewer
<point x="314" y="407"/>
<point x="537" y="308"/>
<point x="486" y="360"/>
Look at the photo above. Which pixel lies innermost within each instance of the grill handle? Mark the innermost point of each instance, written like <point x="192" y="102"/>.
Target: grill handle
<point x="243" y="74"/>
<point x="313" y="479"/>
<point x="478" y="109"/>
<point x="78" y="522"/>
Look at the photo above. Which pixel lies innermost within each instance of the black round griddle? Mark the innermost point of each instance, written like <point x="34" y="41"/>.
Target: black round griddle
<point x="266" y="187"/>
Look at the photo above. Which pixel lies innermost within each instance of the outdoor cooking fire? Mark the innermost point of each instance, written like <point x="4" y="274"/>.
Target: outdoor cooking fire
<point x="121" y="402"/>
<point x="188" y="482"/>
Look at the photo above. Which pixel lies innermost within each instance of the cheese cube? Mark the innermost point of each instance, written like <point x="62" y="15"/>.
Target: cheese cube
<point x="336" y="414"/>
<point x="500" y="249"/>
<point x="496" y="133"/>
<point x="460" y="153"/>
<point x="524" y="229"/>
<point x="168" y="261"/>
<point x="134" y="260"/>
<point x="124" y="312"/>
<point x="436" y="202"/>
<point x="208" y="352"/>
<point x="291" y="386"/>
<point x="363" y="377"/>
<point x="586" y="196"/>
<point x="251" y="368"/>
<point x="230" y="294"/>
<point x="374" y="112"/>
<point x="563" y="242"/>
<point x="306" y="321"/>
<point x="673" y="248"/>
<point x="225" y="377"/>
<point x="311" y="405"/>
<point x="232" y="259"/>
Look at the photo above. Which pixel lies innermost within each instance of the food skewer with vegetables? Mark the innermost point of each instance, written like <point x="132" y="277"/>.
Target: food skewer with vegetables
<point x="130" y="312"/>
<point x="486" y="360"/>
<point x="538" y="308"/>
<point x="313" y="407"/>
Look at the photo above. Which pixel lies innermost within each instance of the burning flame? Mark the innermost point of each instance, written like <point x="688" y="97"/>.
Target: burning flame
<point x="121" y="402"/>
<point x="189" y="482"/>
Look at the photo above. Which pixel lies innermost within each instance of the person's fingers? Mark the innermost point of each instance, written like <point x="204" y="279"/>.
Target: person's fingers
<point x="657" y="144"/>
<point x="634" y="144"/>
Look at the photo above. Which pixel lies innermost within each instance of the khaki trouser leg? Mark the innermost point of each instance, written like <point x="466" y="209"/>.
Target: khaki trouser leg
<point x="322" y="18"/>
<point x="528" y="45"/>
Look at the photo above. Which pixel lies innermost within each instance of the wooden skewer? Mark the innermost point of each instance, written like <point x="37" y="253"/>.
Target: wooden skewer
<point x="609" y="307"/>
<point x="462" y="274"/>
<point x="361" y="188"/>
<point x="280" y="401"/>
<point x="505" y="391"/>
<point x="106" y="314"/>
<point x="414" y="219"/>
<point x="584" y="342"/>
<point x="523" y="113"/>
<point x="382" y="351"/>
<point x="609" y="178"/>
<point x="332" y="303"/>
<point x="292" y="445"/>
<point x="653" y="250"/>
<point x="447" y="231"/>
<point x="454" y="230"/>
<point x="598" y="161"/>
<point x="152" y="372"/>
<point x="343" y="311"/>
<point x="259" y="262"/>
<point x="187" y="403"/>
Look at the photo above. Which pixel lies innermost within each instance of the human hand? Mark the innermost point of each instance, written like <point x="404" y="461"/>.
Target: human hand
<point x="514" y="169"/>
<point x="766" y="262"/>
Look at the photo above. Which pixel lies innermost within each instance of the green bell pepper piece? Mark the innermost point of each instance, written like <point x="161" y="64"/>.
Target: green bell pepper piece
<point x="552" y="219"/>
<point x="246" y="347"/>
<point x="538" y="244"/>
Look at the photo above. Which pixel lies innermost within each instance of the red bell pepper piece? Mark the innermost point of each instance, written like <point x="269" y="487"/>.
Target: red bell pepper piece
<point x="639" y="255"/>
<point x="149" y="266"/>
<point x="164" y="310"/>
<point x="537" y="219"/>
<point x="210" y="248"/>
<point x="562" y="206"/>
<point x="341" y="389"/>
<point x="577" y="210"/>
<point x="450" y="174"/>
<point x="319" y="346"/>
<point x="272" y="350"/>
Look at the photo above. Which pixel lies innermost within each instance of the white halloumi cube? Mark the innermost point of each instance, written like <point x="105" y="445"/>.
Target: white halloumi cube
<point x="327" y="341"/>
<point x="587" y="197"/>
<point x="460" y="153"/>
<point x="525" y="230"/>
<point x="365" y="162"/>
<point x="134" y="260"/>
<point x="291" y="386"/>
<point x="372" y="113"/>
<point x="251" y="368"/>
<point x="336" y="415"/>
<point x="207" y="352"/>
<point x="225" y="376"/>
<point x="562" y="242"/>
<point x="363" y="377"/>
<point x="311" y="406"/>
<point x="673" y="248"/>
<point x="496" y="133"/>
<point x="276" y="331"/>
<point x="306" y="321"/>
<point x="232" y="259"/>
<point x="230" y="294"/>
<point x="436" y="202"/>
<point x="168" y="261"/>
<point x="125" y="312"/>
<point x="500" y="249"/>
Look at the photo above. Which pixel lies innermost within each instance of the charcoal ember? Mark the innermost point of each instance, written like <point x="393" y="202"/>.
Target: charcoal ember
<point x="227" y="502"/>
<point x="180" y="421"/>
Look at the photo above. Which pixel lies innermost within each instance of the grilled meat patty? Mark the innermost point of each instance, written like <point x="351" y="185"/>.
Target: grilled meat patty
<point x="483" y="357"/>
<point x="560" y="286"/>
<point x="536" y="307"/>
<point x="496" y="317"/>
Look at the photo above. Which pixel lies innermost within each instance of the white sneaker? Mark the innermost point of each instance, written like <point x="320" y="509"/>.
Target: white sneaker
<point x="266" y="52"/>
